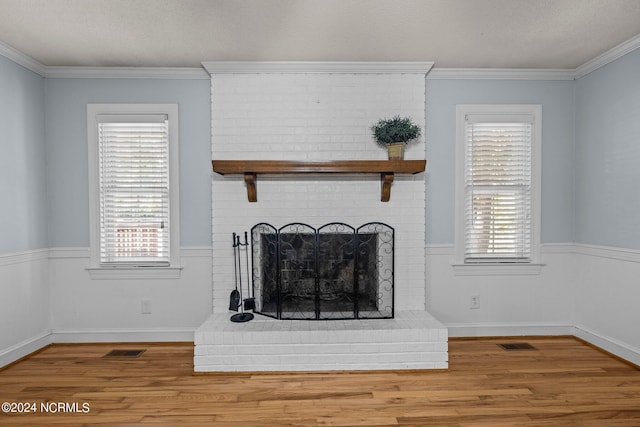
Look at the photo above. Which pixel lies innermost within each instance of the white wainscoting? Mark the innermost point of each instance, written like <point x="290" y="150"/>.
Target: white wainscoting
<point x="540" y="304"/>
<point x="47" y="296"/>
<point x="102" y="310"/>
<point x="606" y="289"/>
<point x="24" y="304"/>
<point x="588" y="291"/>
<point x="583" y="290"/>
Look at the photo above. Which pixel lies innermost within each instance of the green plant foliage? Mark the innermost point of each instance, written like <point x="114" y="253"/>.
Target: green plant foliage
<point x="395" y="129"/>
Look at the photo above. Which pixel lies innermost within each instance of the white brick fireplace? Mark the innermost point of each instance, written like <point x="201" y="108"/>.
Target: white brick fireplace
<point x="308" y="112"/>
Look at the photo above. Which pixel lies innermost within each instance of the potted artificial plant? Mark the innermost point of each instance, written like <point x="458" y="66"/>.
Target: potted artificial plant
<point x="395" y="133"/>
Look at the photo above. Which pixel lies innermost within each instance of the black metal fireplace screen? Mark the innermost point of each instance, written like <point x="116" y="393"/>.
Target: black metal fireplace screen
<point x="332" y="272"/>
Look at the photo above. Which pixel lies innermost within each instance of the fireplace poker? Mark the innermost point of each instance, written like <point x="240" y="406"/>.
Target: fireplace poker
<point x="234" y="298"/>
<point x="250" y="301"/>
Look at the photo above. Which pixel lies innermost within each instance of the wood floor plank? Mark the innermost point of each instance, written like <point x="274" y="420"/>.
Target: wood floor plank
<point x="563" y="382"/>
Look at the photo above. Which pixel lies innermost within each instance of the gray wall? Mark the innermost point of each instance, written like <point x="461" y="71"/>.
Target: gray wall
<point x="608" y="206"/>
<point x="66" y="138"/>
<point x="556" y="98"/>
<point x="66" y="104"/>
<point x="600" y="160"/>
<point x="23" y="217"/>
<point x="608" y="155"/>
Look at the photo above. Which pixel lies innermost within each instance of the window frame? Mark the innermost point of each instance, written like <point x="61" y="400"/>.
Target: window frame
<point x="96" y="269"/>
<point x="533" y="265"/>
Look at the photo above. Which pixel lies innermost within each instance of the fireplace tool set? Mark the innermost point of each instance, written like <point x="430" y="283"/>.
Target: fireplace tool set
<point x="236" y="299"/>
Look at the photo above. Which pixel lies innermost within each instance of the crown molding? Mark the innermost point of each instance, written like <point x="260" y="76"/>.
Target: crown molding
<point x="316" y="67"/>
<point x="101" y="72"/>
<point x="21" y="59"/>
<point x="500" y="74"/>
<point x="387" y="67"/>
<point x="609" y="56"/>
<point x="126" y="73"/>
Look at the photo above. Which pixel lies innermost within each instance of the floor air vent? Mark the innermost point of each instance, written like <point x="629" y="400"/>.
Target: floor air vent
<point x="517" y="346"/>
<point x="124" y="353"/>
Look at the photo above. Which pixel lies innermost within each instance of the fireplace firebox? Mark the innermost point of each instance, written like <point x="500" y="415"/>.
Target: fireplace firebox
<point x="335" y="271"/>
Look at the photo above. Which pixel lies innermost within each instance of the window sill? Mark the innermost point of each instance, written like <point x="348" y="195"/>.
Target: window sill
<point x="116" y="273"/>
<point x="497" y="269"/>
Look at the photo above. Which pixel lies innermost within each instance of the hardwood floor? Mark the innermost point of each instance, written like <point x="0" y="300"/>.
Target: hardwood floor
<point x="562" y="383"/>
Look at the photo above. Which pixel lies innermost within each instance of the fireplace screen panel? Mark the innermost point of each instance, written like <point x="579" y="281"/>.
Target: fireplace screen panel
<point x="297" y="267"/>
<point x="334" y="272"/>
<point x="264" y="246"/>
<point x="375" y="271"/>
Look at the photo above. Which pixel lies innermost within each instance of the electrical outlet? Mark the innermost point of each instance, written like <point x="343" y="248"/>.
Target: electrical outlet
<point x="145" y="306"/>
<point x="474" y="302"/>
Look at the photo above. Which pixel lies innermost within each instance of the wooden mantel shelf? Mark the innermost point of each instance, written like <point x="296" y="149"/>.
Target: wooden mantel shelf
<point x="251" y="168"/>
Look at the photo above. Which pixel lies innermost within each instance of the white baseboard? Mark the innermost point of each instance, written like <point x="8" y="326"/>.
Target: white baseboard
<point x="123" y="335"/>
<point x="613" y="346"/>
<point x="507" y="329"/>
<point x="24" y="348"/>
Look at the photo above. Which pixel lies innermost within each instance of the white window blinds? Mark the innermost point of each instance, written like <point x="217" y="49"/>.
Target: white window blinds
<point x="134" y="189"/>
<point x="498" y="188"/>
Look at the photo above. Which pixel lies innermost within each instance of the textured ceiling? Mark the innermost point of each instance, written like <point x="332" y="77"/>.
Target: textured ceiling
<point x="452" y="33"/>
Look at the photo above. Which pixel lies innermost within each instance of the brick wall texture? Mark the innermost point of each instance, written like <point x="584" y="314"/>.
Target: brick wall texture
<point x="315" y="116"/>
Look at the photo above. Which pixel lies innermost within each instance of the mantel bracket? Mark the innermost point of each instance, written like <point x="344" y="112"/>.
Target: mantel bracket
<point x="252" y="192"/>
<point x="386" y="179"/>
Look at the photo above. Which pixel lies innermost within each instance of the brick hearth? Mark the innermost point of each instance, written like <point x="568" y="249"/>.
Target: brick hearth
<point x="412" y="340"/>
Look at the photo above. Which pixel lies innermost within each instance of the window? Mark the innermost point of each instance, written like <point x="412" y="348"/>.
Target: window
<point x="498" y="185"/>
<point x="133" y="152"/>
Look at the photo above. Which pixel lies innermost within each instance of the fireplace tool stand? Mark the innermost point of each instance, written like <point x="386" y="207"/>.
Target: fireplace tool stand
<point x="237" y="265"/>
<point x="234" y="298"/>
